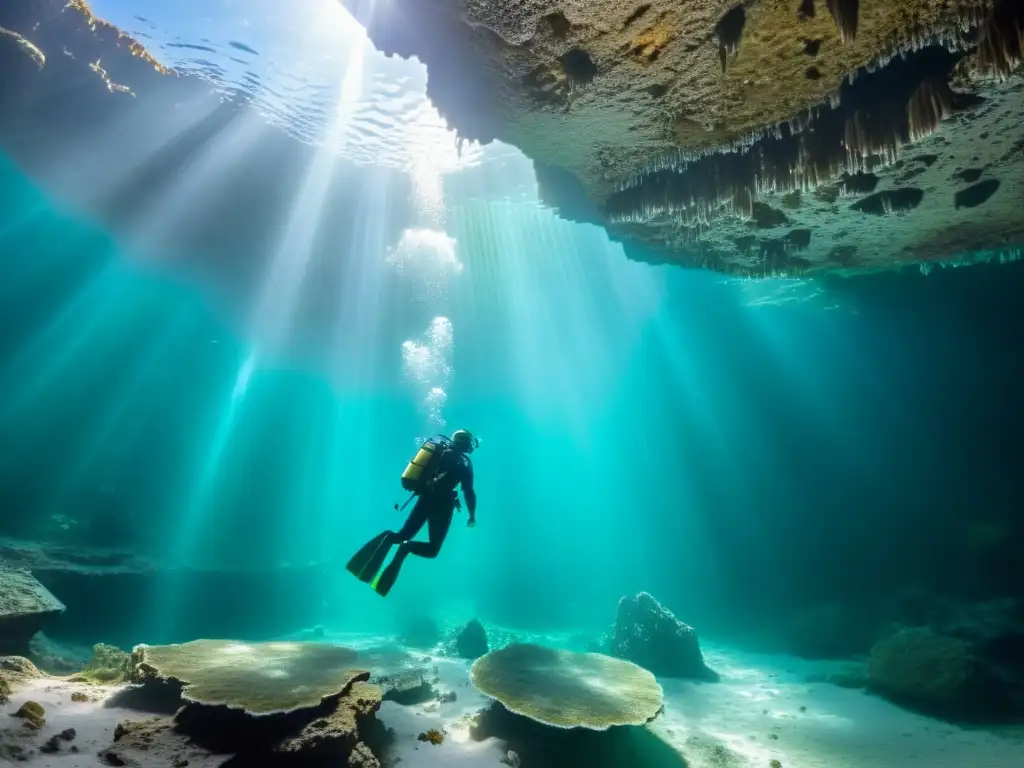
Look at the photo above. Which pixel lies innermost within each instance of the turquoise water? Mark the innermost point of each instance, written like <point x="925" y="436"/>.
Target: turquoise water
<point x="643" y="428"/>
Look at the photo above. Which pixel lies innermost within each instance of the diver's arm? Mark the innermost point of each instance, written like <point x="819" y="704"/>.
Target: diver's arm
<point x="469" y="492"/>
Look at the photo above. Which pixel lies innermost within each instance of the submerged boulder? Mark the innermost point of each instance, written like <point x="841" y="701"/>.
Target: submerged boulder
<point x="471" y="641"/>
<point x="648" y="634"/>
<point x="26" y="606"/>
<point x="962" y="659"/>
<point x="929" y="671"/>
<point x="265" y="699"/>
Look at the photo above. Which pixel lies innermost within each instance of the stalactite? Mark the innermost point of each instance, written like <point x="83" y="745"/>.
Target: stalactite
<point x="1001" y="40"/>
<point x="931" y="103"/>
<point x="874" y="118"/>
<point x="846" y="13"/>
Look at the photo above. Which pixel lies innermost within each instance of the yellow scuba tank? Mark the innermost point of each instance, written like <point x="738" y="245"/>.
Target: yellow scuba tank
<point x="419" y="470"/>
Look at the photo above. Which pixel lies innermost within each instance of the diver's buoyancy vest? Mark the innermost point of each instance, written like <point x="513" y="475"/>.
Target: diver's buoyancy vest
<point x="419" y="473"/>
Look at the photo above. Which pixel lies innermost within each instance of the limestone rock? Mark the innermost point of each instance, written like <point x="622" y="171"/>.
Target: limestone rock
<point x="14" y="671"/>
<point x="646" y="633"/>
<point x="26" y="606"/>
<point x="406" y="687"/>
<point x="337" y="732"/>
<point x="471" y="642"/>
<point x="749" y="138"/>
<point x="566" y="689"/>
<point x="260" y="699"/>
<point x="32" y="713"/>
<point x="107" y="665"/>
<point x="917" y="666"/>
<point x="983" y="648"/>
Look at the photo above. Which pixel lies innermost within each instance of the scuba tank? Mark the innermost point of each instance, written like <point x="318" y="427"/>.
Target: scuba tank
<point x="420" y="471"/>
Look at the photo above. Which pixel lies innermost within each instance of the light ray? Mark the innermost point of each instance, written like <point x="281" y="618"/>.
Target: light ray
<point x="46" y="357"/>
<point x="133" y="387"/>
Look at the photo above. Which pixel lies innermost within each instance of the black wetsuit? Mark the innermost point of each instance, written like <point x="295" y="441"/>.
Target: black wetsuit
<point x="434" y="508"/>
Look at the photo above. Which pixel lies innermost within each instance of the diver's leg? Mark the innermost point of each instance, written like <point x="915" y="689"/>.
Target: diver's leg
<point x="437" y="528"/>
<point x="368" y="560"/>
<point x="439" y="524"/>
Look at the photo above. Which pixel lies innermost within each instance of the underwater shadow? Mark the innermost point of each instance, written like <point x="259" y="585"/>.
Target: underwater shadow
<point x="155" y="699"/>
<point x="544" y="746"/>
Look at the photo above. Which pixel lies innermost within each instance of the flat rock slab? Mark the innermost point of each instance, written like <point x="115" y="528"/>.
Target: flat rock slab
<point x="25" y="607"/>
<point x="260" y="678"/>
<point x="261" y="699"/>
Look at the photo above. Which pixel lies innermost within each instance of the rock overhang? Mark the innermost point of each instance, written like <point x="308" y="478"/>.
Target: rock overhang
<point x="743" y="136"/>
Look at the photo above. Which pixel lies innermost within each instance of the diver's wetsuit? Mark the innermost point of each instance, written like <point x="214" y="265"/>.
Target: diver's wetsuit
<point x="434" y="508"/>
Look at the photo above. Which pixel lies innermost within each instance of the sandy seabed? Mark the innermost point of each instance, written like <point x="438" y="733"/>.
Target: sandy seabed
<point x="763" y="710"/>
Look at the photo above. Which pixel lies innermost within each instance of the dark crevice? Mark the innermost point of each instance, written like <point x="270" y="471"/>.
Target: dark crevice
<point x="859" y="183"/>
<point x="806" y="10"/>
<point x="877" y="113"/>
<point x="969" y="175"/>
<point x="799" y="239"/>
<point x="844" y="255"/>
<point x="890" y="201"/>
<point x="637" y="14"/>
<point x="766" y="217"/>
<point x="928" y="160"/>
<point x="976" y="195"/>
<point x="557" y="24"/>
<point x="811" y="47"/>
<point x="846" y="13"/>
<point x="813" y="73"/>
<point x="657" y="90"/>
<point x="578" y="66"/>
<point x="729" y="31"/>
<point x="1001" y="37"/>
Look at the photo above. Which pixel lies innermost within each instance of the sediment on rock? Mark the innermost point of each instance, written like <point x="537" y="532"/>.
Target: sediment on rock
<point x="266" y="701"/>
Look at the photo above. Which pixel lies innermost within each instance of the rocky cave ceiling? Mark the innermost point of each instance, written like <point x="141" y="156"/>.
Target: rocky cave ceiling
<point x="754" y="138"/>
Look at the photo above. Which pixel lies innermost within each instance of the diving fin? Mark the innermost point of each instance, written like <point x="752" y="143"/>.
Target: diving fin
<point x="386" y="580"/>
<point x="367" y="561"/>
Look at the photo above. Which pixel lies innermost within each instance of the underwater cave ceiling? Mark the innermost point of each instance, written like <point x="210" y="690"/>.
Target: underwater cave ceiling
<point x="753" y="138"/>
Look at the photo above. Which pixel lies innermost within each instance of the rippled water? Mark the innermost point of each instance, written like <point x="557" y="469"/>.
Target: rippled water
<point x="307" y="66"/>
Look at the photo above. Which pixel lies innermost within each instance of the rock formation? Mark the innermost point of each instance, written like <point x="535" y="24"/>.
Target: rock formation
<point x="95" y="586"/>
<point x="556" y="708"/>
<point x="646" y="633"/>
<point x="407" y="687"/>
<point x="935" y="672"/>
<point x="471" y="641"/>
<point x="753" y="138"/>
<point x="26" y="606"/>
<point x="960" y="660"/>
<point x="567" y="689"/>
<point x="266" y="700"/>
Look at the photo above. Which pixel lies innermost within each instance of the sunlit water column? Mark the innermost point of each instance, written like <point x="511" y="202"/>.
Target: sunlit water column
<point x="272" y="314"/>
<point x="426" y="255"/>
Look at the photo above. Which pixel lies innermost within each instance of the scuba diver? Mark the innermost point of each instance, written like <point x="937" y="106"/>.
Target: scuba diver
<point x="434" y="474"/>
